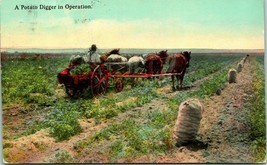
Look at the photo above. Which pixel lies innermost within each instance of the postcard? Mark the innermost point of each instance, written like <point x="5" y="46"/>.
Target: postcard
<point x="133" y="81"/>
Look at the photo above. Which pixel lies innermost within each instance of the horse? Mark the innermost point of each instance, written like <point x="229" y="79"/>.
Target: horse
<point x="178" y="64"/>
<point x="116" y="58"/>
<point x="134" y="63"/>
<point x="104" y="57"/>
<point x="115" y="61"/>
<point x="154" y="62"/>
<point x="76" y="60"/>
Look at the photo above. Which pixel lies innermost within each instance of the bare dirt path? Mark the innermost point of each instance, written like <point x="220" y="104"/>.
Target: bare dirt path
<point x="224" y="134"/>
<point x="225" y="126"/>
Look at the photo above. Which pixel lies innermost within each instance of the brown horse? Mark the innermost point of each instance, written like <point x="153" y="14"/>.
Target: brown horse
<point x="178" y="64"/>
<point x="154" y="62"/>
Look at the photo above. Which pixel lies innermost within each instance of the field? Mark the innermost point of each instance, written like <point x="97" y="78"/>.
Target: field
<point x="42" y="124"/>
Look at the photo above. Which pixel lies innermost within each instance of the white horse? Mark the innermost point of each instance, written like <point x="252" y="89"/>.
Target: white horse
<point x="116" y="62"/>
<point x="93" y="57"/>
<point x="116" y="58"/>
<point x="76" y="59"/>
<point x="134" y="63"/>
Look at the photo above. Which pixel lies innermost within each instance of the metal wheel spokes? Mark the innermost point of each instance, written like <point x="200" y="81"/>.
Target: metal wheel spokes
<point x="99" y="81"/>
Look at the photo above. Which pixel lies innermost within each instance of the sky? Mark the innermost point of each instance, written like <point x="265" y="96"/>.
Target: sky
<point x="212" y="24"/>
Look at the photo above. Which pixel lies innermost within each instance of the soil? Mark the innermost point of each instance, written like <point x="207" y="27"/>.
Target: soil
<point x="223" y="136"/>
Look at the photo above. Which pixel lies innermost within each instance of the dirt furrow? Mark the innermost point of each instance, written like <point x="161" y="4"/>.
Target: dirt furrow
<point x="167" y="89"/>
<point x="223" y="133"/>
<point x="223" y="130"/>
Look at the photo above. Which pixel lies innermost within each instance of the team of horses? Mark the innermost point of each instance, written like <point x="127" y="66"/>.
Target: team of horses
<point x="151" y="64"/>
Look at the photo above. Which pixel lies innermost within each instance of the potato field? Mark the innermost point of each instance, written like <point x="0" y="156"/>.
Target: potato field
<point x="42" y="124"/>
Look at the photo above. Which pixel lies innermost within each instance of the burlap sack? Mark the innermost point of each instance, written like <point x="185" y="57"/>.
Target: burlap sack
<point x="232" y="76"/>
<point x="239" y="67"/>
<point x="188" y="121"/>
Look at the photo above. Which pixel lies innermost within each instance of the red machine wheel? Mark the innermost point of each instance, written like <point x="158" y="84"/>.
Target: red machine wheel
<point x="119" y="85"/>
<point x="99" y="81"/>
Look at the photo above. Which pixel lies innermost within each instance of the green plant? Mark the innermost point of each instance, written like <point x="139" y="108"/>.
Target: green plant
<point x="6" y="156"/>
<point x="64" y="123"/>
<point x="35" y="82"/>
<point x="62" y="157"/>
<point x="81" y="69"/>
<point x="259" y="149"/>
<point x="21" y="79"/>
<point x="257" y="115"/>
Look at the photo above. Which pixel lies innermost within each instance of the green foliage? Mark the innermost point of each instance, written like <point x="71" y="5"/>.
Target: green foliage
<point x="107" y="132"/>
<point x="34" y="82"/>
<point x="105" y="108"/>
<point x="6" y="156"/>
<point x="62" y="157"/>
<point x="116" y="148"/>
<point x="155" y="134"/>
<point x="210" y="86"/>
<point x="80" y="69"/>
<point x="64" y="122"/>
<point x="157" y="119"/>
<point x="34" y="127"/>
<point x="141" y="139"/>
<point x="259" y="149"/>
<point x="136" y="138"/>
<point x="198" y="74"/>
<point x="208" y="66"/>
<point x="258" y="114"/>
<point x="20" y="79"/>
<point x="205" y="61"/>
<point x="40" y="100"/>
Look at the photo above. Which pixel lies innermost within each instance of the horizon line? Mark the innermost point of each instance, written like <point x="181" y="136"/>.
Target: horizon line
<point x="146" y="48"/>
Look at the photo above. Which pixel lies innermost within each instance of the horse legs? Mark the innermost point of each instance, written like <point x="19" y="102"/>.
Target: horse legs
<point x="181" y="81"/>
<point x="157" y="67"/>
<point x="132" y="71"/>
<point x="150" y="68"/>
<point x="134" y="80"/>
<point x="173" y="88"/>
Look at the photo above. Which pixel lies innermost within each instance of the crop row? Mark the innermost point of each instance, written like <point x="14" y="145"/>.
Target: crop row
<point x="154" y="135"/>
<point x="257" y="114"/>
<point x="201" y="61"/>
<point x="30" y="81"/>
<point x="143" y="93"/>
<point x="22" y="81"/>
<point x="203" y="65"/>
<point x="104" y="107"/>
